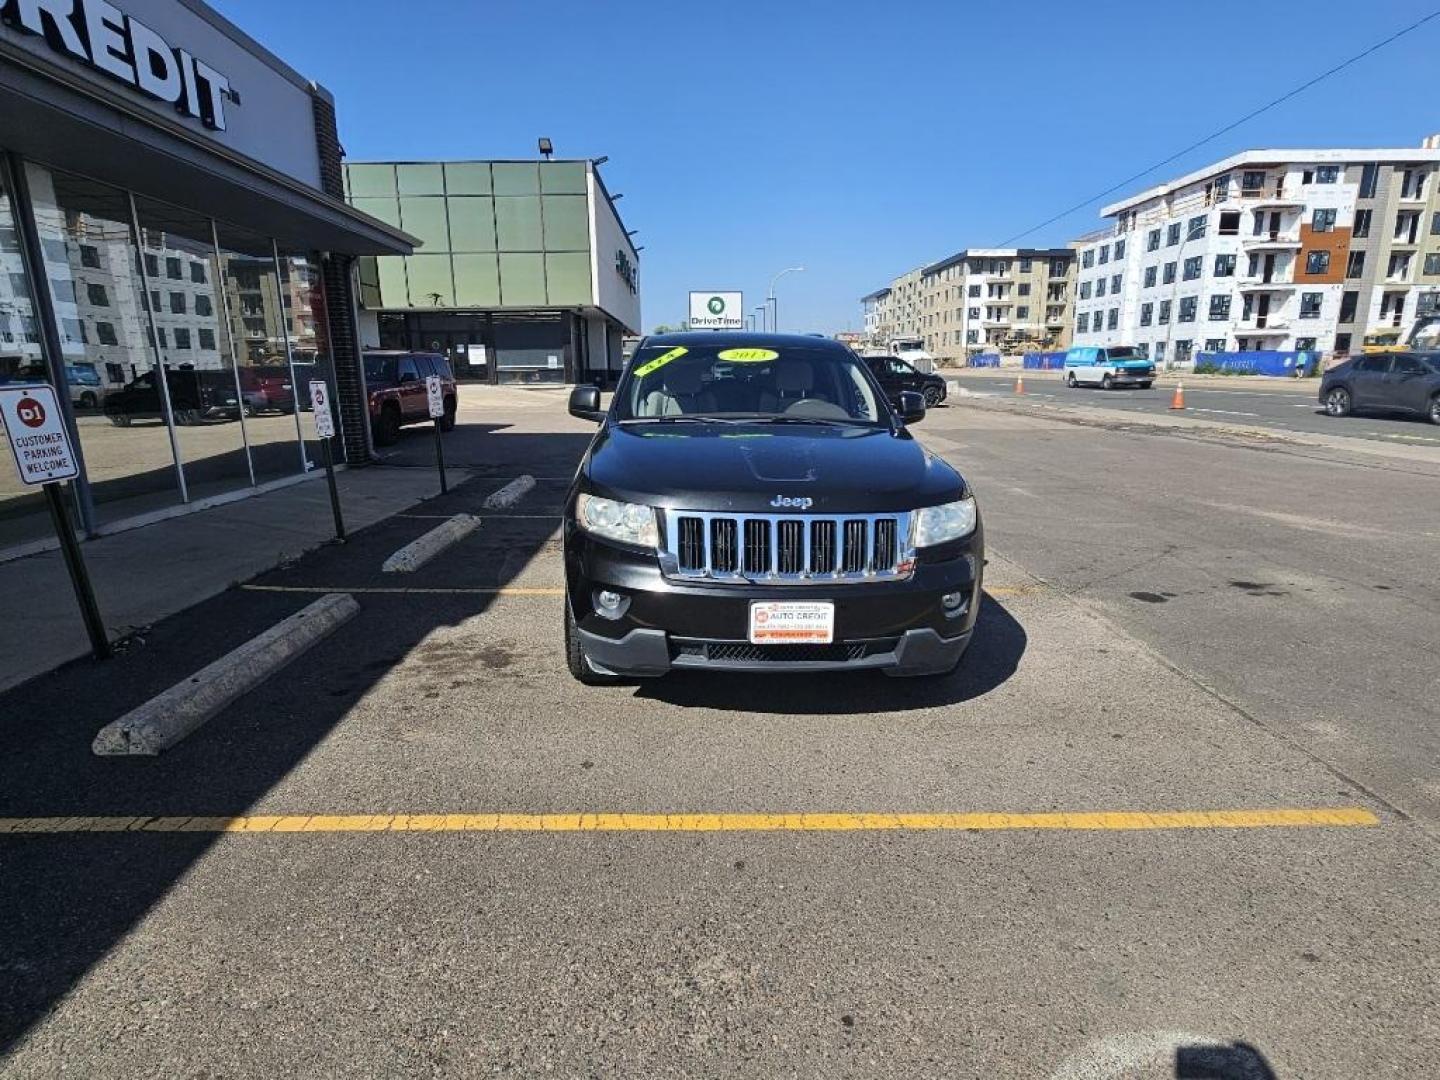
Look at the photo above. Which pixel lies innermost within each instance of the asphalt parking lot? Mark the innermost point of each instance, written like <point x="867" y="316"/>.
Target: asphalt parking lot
<point x="1176" y="815"/>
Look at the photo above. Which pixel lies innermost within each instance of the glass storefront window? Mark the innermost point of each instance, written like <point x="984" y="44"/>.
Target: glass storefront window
<point x="430" y="281"/>
<point x="477" y="281"/>
<point x="302" y="288"/>
<point x="23" y="516"/>
<point x="196" y="353"/>
<point x="394" y="286"/>
<point x="472" y="224"/>
<point x="86" y="235"/>
<point x="531" y="349"/>
<point x="267" y="385"/>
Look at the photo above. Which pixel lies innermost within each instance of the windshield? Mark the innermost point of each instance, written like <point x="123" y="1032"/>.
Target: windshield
<point x="759" y="383"/>
<point x="1125" y="352"/>
<point x="379" y="369"/>
<point x="1427" y="334"/>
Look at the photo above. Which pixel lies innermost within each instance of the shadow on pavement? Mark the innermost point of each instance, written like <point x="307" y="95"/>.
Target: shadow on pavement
<point x="70" y="898"/>
<point x="992" y="658"/>
<point x="1239" y="1061"/>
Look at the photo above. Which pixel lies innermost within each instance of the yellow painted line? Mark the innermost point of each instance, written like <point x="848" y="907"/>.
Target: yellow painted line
<point x="1005" y="591"/>
<point x="506" y="591"/>
<point x="1080" y="821"/>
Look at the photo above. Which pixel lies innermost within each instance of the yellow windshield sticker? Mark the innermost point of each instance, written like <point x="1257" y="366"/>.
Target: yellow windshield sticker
<point x="660" y="361"/>
<point x="748" y="356"/>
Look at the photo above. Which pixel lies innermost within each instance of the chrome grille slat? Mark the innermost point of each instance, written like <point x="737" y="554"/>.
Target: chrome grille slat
<point x="786" y="549"/>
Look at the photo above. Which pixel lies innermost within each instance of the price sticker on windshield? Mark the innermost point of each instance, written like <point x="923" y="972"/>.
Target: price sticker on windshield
<point x="660" y="361"/>
<point x="747" y="356"/>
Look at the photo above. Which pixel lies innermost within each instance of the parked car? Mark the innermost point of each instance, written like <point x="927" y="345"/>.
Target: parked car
<point x="267" y="388"/>
<point x="1384" y="382"/>
<point x="1108" y="366"/>
<point x="86" y="386"/>
<point x="195" y="396"/>
<point x="395" y="382"/>
<point x="896" y="376"/>
<point x="751" y="503"/>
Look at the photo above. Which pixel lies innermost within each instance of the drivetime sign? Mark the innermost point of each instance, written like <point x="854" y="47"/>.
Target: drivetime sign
<point x="36" y="433"/>
<point x="717" y="311"/>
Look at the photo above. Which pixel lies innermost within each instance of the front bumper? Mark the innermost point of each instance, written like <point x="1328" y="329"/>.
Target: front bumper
<point x="899" y="627"/>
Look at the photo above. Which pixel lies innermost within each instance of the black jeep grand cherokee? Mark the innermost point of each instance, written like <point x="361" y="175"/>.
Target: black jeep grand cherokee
<point x="752" y="503"/>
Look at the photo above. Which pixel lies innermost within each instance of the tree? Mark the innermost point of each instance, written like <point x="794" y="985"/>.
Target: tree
<point x="666" y="328"/>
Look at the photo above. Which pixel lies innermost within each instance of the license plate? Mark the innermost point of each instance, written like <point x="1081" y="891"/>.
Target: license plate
<point x="784" y="622"/>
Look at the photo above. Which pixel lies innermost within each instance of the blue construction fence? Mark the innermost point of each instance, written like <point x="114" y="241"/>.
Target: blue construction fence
<point x="1043" y="361"/>
<point x="1258" y="362"/>
<point x="985" y="360"/>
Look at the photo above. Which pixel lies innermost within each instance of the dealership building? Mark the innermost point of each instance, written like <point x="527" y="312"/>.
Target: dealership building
<point x="176" y="256"/>
<point x="526" y="273"/>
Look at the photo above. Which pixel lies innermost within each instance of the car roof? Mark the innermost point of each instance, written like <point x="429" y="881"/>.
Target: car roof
<point x="730" y="339"/>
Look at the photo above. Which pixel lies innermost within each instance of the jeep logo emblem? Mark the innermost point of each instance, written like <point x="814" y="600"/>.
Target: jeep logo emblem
<point x="784" y="502"/>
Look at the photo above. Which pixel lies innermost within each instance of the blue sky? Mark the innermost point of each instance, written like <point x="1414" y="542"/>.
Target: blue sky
<point x="858" y="140"/>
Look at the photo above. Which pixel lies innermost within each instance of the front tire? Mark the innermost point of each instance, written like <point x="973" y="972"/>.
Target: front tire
<point x="932" y="396"/>
<point x="575" y="658"/>
<point x="88" y="400"/>
<point x="387" y="430"/>
<point x="1146" y="385"/>
<point x="447" y="421"/>
<point x="1434" y="413"/>
<point x="1071" y="381"/>
<point x="1338" y="402"/>
<point x="1107" y="383"/>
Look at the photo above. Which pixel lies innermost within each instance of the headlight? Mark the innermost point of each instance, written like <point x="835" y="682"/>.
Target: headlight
<point x="941" y="524"/>
<point x="630" y="523"/>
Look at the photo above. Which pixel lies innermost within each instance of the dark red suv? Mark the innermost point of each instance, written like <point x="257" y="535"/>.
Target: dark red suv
<point x="396" y="384"/>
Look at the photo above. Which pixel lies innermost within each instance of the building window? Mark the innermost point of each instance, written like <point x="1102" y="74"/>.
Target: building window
<point x="1119" y="249"/>
<point x="1349" y="301"/>
<point x="1150" y="273"/>
<point x="1412" y="184"/>
<point x="152" y="265"/>
<point x="1104" y="254"/>
<point x="1230" y="223"/>
<point x="1369" y="180"/>
<point x="1399" y="266"/>
<point x="105" y="333"/>
<point x="974" y="290"/>
<point x="1100" y="286"/>
<point x="1310" y="305"/>
<point x="1222" y="188"/>
<point x="1025" y="265"/>
<point x="1317" y="262"/>
<point x="973" y="313"/>
<point x="1215" y="344"/>
<point x="1164" y="314"/>
<point x="182" y="337"/>
<point x="1188" y="305"/>
<point x="160" y="334"/>
<point x="1252" y="182"/>
<point x="97" y="295"/>
<point x="1432" y="263"/>
<point x="1361" y="228"/>
<point x="1168" y="277"/>
<point x="1197" y="228"/>
<point x="1355" y="267"/>
<point x="1220" y="307"/>
<point x="1087" y="259"/>
<point x="1304" y="344"/>
<point x="1342" y="344"/>
<point x="1113" y="319"/>
<point x="172" y="268"/>
<point x="62" y="290"/>
<point x="972" y="337"/>
<point x="1084" y="290"/>
<point x="1159" y="351"/>
<point x="1172" y="234"/>
<point x="1327" y="174"/>
<point x="207" y="339"/>
<point x="197" y="273"/>
<point x="90" y="256"/>
<point x="203" y="305"/>
<point x="1152" y="240"/>
<point x="1024" y="288"/>
<point x="1323" y="220"/>
<point x="1147" y="313"/>
<point x="177" y="303"/>
<point x="1022" y="312"/>
<point x="1193" y="267"/>
<point x="1115" y="283"/>
<point x="154" y="300"/>
<point x="1082" y="323"/>
<point x="1224" y="265"/>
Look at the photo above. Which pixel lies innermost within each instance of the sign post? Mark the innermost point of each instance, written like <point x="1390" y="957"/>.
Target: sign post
<point x="717" y="311"/>
<point x="325" y="431"/>
<point x="41" y="446"/>
<point x="434" y="396"/>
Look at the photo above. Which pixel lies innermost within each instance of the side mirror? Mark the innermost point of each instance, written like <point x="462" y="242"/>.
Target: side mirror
<point x="585" y="403"/>
<point x="912" y="407"/>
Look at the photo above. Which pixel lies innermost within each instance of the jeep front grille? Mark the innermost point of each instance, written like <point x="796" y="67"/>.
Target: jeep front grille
<point x="796" y="549"/>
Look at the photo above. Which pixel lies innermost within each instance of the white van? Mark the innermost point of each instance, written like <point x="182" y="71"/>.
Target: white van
<point x="1108" y="366"/>
<point x="912" y="351"/>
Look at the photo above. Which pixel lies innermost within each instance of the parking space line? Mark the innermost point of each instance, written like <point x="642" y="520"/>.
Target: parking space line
<point x="1081" y="821"/>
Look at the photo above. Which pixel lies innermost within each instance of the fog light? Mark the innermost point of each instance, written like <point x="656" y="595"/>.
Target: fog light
<point x="953" y="601"/>
<point x="610" y="604"/>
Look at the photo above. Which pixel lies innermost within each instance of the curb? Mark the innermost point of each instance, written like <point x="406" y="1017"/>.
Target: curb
<point x="510" y="494"/>
<point x="418" y="552"/>
<point x="168" y="717"/>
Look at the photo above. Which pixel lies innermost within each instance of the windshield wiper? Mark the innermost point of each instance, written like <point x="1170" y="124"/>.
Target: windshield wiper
<point x="667" y="420"/>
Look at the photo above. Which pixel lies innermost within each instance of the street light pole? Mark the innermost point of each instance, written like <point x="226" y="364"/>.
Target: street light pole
<point x="770" y="296"/>
<point x="761" y="311"/>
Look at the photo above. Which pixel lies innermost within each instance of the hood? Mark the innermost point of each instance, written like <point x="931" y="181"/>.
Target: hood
<point x="745" y="468"/>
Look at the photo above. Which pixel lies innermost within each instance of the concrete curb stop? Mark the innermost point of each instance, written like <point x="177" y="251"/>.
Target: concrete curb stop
<point x="167" y="718"/>
<point x="418" y="552"/>
<point x="510" y="494"/>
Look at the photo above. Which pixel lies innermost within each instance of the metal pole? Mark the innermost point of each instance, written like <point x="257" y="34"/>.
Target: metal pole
<point x="774" y="314"/>
<point x="305" y="465"/>
<point x="162" y="372"/>
<point x="440" y="456"/>
<point x="329" y="459"/>
<point x="227" y="332"/>
<point x="79" y="578"/>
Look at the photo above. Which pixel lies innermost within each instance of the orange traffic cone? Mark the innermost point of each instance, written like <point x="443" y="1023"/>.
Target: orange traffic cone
<point x="1178" y="401"/>
<point x="1019" y="384"/>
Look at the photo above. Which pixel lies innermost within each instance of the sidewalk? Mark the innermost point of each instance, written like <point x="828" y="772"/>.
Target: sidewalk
<point x="145" y="574"/>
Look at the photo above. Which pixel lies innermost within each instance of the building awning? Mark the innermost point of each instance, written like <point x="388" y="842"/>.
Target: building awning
<point x="63" y="126"/>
